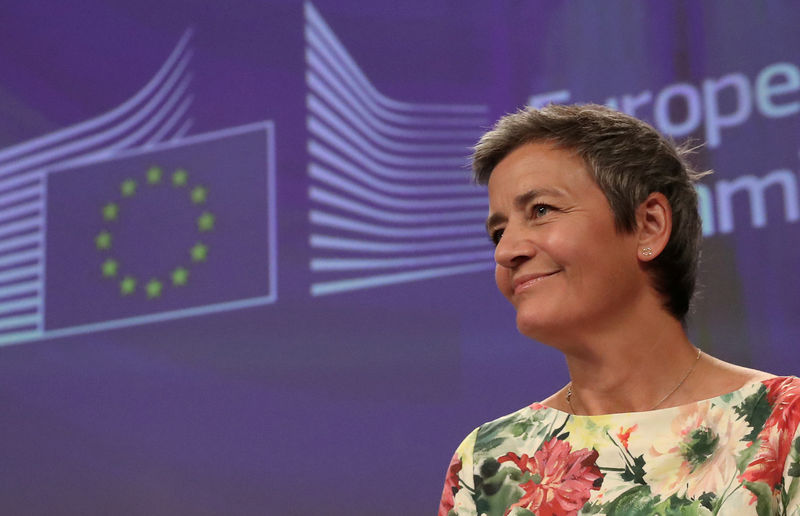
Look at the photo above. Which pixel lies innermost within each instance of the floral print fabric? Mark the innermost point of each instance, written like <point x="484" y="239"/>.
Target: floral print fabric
<point x="736" y="454"/>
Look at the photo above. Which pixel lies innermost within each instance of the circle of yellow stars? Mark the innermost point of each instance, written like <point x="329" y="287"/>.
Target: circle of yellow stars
<point x="110" y="212"/>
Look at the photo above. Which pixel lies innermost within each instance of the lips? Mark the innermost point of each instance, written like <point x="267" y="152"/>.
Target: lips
<point x="528" y="280"/>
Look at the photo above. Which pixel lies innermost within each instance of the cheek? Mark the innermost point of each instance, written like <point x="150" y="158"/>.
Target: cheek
<point x="502" y="278"/>
<point x="564" y="249"/>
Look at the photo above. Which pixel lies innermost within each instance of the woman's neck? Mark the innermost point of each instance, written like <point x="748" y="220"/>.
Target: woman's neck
<point x="633" y="370"/>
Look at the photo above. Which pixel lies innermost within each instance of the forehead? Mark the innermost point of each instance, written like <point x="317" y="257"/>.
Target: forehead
<point x="540" y="167"/>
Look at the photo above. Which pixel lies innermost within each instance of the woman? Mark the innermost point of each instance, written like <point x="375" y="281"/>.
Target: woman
<point x="595" y="221"/>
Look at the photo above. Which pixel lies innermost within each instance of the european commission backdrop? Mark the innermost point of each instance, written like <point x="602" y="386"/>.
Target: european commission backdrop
<point x="242" y="265"/>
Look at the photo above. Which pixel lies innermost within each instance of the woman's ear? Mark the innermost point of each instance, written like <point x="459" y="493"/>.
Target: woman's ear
<point x="654" y="222"/>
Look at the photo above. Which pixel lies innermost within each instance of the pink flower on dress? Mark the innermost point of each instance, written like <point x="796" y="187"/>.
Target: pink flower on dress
<point x="698" y="454"/>
<point x="562" y="479"/>
<point x="776" y="437"/>
<point x="451" y="486"/>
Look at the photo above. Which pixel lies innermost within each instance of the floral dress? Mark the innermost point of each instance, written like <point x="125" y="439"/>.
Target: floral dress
<point x="736" y="454"/>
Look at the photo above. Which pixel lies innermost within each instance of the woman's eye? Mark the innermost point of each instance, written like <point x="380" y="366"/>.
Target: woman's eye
<point x="541" y="210"/>
<point x="496" y="235"/>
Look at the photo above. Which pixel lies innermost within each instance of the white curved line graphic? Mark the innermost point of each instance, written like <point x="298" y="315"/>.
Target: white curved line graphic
<point x="169" y="124"/>
<point x="60" y="152"/>
<point x="330" y="62"/>
<point x="90" y="125"/>
<point x="385" y="170"/>
<point x="315" y="19"/>
<point x="320" y="82"/>
<point x="322" y="131"/>
<point x="349" y="124"/>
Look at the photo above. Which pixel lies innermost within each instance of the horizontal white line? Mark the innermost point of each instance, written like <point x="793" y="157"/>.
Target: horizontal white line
<point x="454" y="159"/>
<point x="370" y="246"/>
<point x="320" y="82"/>
<point x="24" y="256"/>
<point x="345" y="119"/>
<point x="352" y="188"/>
<point x="20" y="304"/>
<point x="21" y="225"/>
<point x="349" y="264"/>
<point x="182" y="142"/>
<point x="15" y="196"/>
<point x="160" y="316"/>
<point x="13" y="183"/>
<point x="454" y="185"/>
<point x="18" y="321"/>
<point x="8" y="243"/>
<point x="17" y="288"/>
<point x="319" y="150"/>
<point x="345" y="204"/>
<point x="29" y="208"/>
<point x="20" y="336"/>
<point x="356" y="226"/>
<point x="20" y="272"/>
<point x="333" y="287"/>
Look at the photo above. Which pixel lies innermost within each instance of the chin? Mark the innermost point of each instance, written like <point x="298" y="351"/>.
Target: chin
<point x="536" y="328"/>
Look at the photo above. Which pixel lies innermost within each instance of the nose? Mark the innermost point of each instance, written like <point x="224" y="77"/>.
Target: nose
<point x="514" y="248"/>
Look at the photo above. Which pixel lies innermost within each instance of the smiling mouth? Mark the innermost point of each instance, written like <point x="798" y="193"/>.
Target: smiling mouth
<point x="527" y="283"/>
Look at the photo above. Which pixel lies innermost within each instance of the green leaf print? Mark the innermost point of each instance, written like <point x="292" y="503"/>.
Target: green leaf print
<point x="592" y="508"/>
<point x="556" y="431"/>
<point x="637" y="500"/>
<point x="679" y="506"/>
<point x="765" y="505"/>
<point x="699" y="446"/>
<point x="794" y="468"/>
<point x="497" y="502"/>
<point x="790" y="493"/>
<point x="490" y="478"/>
<point x="755" y="409"/>
<point x="634" y="472"/>
<point x="747" y="455"/>
<point x="707" y="500"/>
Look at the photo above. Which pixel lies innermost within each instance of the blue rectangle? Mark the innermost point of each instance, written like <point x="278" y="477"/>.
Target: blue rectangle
<point x="170" y="231"/>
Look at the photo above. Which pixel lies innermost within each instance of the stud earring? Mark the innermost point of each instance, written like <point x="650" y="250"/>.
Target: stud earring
<point x="647" y="251"/>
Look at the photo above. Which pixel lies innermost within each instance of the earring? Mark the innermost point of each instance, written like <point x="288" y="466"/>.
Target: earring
<point x="647" y="251"/>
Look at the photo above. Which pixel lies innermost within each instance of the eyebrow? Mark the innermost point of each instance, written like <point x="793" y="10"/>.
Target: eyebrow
<point x="520" y="202"/>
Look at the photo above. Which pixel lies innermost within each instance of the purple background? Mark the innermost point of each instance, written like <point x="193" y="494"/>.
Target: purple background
<point x="352" y="403"/>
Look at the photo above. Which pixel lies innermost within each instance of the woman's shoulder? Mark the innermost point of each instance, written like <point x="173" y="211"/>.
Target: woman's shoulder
<point x="715" y="378"/>
<point x="536" y="413"/>
<point x="729" y="377"/>
<point x="530" y="420"/>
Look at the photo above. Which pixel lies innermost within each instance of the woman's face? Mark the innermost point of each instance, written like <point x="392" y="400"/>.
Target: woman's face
<point x="560" y="260"/>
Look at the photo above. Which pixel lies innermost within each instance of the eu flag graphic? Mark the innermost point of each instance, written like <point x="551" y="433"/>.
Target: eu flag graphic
<point x="181" y="229"/>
